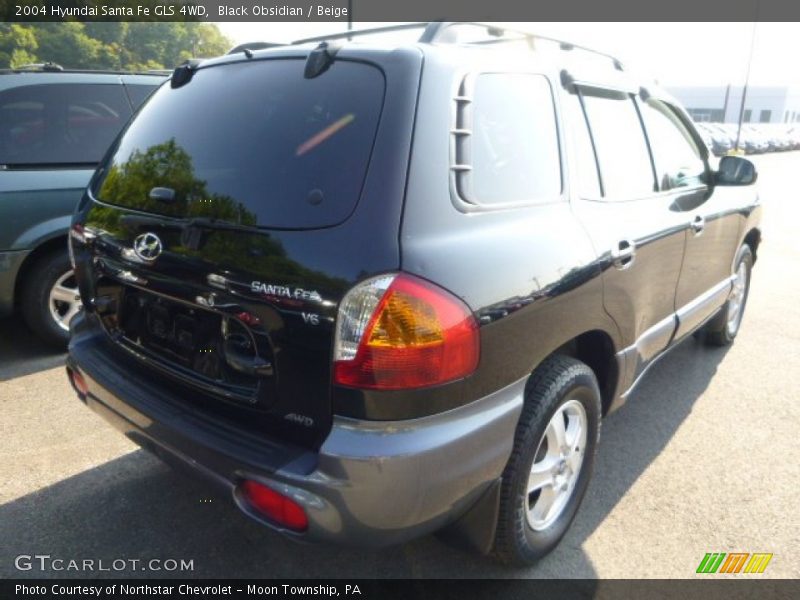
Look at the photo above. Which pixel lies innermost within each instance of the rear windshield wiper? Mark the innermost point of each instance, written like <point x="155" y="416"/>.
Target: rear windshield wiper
<point x="135" y="221"/>
<point x="46" y="165"/>
<point x="217" y="224"/>
<point x="193" y="230"/>
<point x="187" y="223"/>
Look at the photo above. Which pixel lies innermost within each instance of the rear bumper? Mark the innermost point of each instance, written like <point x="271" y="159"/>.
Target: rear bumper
<point x="10" y="263"/>
<point x="372" y="483"/>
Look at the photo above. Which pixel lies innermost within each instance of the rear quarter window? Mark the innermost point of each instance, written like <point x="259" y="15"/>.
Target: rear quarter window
<point x="252" y="142"/>
<point x="507" y="150"/>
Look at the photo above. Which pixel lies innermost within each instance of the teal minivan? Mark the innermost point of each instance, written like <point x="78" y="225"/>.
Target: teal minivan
<point x="55" y="127"/>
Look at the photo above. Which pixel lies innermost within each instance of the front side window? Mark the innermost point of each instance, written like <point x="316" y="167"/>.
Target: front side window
<point x="60" y="124"/>
<point x="677" y="158"/>
<point x="512" y="151"/>
<point x="619" y="140"/>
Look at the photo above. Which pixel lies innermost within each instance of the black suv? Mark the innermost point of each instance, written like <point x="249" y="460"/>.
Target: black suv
<point x="55" y="126"/>
<point x="379" y="291"/>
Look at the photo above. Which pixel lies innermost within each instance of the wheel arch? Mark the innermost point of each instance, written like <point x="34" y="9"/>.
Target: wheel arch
<point x="45" y="248"/>
<point x="596" y="349"/>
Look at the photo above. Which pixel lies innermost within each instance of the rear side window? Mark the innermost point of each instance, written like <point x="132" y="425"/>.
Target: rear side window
<point x="622" y="153"/>
<point x="252" y="142"/>
<point x="677" y="158"/>
<point x="60" y="124"/>
<point x="508" y="149"/>
<point x="585" y="164"/>
<point x="139" y="93"/>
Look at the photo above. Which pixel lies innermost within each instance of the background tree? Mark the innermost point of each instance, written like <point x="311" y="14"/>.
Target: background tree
<point x="18" y="44"/>
<point x="109" y="45"/>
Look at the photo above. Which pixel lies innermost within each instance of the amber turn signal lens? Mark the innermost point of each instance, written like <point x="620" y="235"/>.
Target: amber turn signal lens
<point x="417" y="335"/>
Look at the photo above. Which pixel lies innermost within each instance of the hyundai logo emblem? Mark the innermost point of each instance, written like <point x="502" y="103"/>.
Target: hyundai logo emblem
<point x="147" y="246"/>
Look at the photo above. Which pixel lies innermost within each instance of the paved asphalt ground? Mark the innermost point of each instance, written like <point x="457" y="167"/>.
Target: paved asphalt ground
<point x="705" y="457"/>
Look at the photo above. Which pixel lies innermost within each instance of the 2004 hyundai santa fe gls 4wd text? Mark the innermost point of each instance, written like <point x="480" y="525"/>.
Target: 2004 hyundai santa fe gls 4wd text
<point x="378" y="291"/>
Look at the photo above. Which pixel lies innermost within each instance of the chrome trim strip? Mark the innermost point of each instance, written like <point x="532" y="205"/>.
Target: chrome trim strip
<point x="640" y="376"/>
<point x="696" y="311"/>
<point x="703" y="298"/>
<point x="681" y="314"/>
<point x="653" y="332"/>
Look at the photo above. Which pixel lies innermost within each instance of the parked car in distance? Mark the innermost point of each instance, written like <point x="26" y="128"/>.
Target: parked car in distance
<point x="55" y="126"/>
<point x="718" y="142"/>
<point x="753" y="138"/>
<point x="372" y="300"/>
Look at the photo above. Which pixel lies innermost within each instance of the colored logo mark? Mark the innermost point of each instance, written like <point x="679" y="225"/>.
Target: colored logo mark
<point x="734" y="562"/>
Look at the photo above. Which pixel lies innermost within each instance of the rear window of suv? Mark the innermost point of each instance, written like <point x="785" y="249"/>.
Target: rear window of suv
<point x="254" y="143"/>
<point x="60" y="124"/>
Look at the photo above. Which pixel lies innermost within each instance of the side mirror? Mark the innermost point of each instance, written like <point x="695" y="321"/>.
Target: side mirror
<point x="734" y="170"/>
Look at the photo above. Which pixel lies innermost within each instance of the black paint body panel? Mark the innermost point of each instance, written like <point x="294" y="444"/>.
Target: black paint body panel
<point x="537" y="277"/>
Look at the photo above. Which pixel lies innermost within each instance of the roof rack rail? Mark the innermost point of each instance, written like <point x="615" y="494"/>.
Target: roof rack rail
<point x="36" y="69"/>
<point x="47" y="66"/>
<point x="434" y="31"/>
<point x="254" y="46"/>
<point x="357" y="32"/>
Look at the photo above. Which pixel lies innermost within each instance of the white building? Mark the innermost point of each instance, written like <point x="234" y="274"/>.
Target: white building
<point x="721" y="104"/>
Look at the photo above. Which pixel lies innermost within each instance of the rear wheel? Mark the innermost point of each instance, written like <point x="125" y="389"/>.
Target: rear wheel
<point x="722" y="329"/>
<point x="554" y="448"/>
<point x="50" y="298"/>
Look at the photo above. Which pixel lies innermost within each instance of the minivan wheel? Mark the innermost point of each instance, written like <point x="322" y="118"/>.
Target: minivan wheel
<point x="552" y="461"/>
<point x="722" y="329"/>
<point x="49" y="298"/>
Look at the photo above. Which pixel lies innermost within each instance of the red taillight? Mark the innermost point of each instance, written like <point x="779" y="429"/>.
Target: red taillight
<point x="78" y="382"/>
<point x="277" y="507"/>
<point x="400" y="332"/>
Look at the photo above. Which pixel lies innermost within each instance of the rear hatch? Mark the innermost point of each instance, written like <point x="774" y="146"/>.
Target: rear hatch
<point x="231" y="217"/>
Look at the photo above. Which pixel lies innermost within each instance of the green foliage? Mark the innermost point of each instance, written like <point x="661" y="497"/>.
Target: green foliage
<point x="18" y="44"/>
<point x="129" y="183"/>
<point x="109" y="45"/>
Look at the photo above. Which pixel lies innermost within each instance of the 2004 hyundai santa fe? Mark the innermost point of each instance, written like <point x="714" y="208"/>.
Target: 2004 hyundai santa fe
<point x="376" y="291"/>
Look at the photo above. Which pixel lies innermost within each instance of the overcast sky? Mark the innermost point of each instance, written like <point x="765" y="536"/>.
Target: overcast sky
<point x="672" y="53"/>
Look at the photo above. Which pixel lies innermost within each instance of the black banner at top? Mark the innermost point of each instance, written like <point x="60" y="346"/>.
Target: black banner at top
<point x="399" y="10"/>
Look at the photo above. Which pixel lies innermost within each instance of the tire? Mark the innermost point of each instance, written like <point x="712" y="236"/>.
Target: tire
<point x="49" y="279"/>
<point x="526" y="530"/>
<point x="722" y="329"/>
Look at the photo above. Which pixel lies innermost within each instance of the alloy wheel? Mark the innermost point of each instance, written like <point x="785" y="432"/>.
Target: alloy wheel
<point x="556" y="465"/>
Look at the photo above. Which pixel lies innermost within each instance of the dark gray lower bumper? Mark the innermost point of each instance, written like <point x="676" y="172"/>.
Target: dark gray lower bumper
<point x="371" y="483"/>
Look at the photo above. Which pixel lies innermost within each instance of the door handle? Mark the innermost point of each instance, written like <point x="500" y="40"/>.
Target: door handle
<point x="698" y="225"/>
<point x="623" y="254"/>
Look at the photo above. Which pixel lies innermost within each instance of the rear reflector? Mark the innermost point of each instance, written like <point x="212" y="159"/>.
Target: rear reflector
<point x="277" y="507"/>
<point x="400" y="332"/>
<point x="78" y="382"/>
